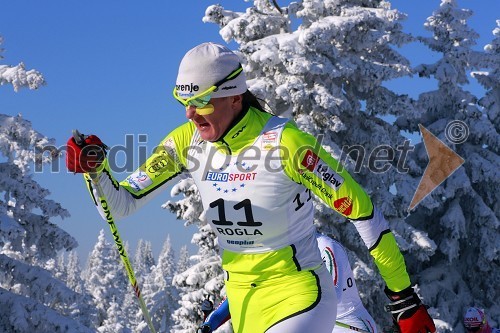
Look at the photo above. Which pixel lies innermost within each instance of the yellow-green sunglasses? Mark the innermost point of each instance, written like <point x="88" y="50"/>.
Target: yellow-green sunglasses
<point x="201" y="100"/>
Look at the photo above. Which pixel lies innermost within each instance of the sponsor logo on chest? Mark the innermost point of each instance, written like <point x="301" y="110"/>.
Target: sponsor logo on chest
<point x="269" y="140"/>
<point x="232" y="177"/>
<point x="229" y="177"/>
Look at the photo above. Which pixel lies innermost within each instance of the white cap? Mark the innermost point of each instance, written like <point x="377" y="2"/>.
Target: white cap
<point x="205" y="65"/>
<point x="474" y="317"/>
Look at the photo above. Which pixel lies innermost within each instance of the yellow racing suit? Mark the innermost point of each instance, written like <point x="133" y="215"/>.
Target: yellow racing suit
<point x="256" y="184"/>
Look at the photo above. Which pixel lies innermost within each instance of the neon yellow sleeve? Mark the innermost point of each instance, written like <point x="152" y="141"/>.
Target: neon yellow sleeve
<point x="167" y="162"/>
<point x="306" y="162"/>
<point x="390" y="263"/>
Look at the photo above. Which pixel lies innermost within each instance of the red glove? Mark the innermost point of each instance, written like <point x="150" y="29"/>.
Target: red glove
<point x="408" y="312"/>
<point x="85" y="156"/>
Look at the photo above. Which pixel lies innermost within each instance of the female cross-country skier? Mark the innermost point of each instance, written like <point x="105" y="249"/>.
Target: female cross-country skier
<point x="256" y="174"/>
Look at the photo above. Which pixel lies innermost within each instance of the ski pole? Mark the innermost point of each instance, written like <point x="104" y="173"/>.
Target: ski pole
<point x="354" y="328"/>
<point x="79" y="139"/>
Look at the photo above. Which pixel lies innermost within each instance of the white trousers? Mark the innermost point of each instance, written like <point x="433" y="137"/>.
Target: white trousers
<point x="360" y="318"/>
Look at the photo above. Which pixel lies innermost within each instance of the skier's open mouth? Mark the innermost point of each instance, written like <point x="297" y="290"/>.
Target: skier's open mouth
<point x="203" y="125"/>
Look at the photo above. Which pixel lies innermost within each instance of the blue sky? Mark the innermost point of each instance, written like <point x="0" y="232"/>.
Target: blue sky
<point x="110" y="67"/>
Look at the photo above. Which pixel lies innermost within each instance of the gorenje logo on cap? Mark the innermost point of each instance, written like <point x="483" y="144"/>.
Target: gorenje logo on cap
<point x="187" y="87"/>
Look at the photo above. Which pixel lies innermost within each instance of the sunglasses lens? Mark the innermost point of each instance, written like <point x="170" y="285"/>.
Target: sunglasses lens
<point x="200" y="102"/>
<point x="197" y="101"/>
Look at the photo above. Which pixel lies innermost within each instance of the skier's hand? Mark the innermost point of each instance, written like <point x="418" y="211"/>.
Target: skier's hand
<point x="408" y="312"/>
<point x="85" y="155"/>
<point x="204" y="329"/>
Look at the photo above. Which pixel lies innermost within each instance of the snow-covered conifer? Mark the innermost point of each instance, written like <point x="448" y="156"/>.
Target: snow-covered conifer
<point x="143" y="259"/>
<point x="461" y="214"/>
<point x="18" y="76"/>
<point x="114" y="320"/>
<point x="105" y="279"/>
<point x="204" y="278"/>
<point x="74" y="272"/>
<point x="32" y="298"/>
<point x="489" y="78"/>
<point x="183" y="262"/>
<point x="204" y="275"/>
<point x="160" y="295"/>
<point x="188" y="208"/>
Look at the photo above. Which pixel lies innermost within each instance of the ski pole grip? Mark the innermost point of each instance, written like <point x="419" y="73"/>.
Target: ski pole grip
<point x="78" y="137"/>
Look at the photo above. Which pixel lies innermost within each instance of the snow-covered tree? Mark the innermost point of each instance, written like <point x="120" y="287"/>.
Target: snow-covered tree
<point x="18" y="76"/>
<point x="183" y="262"/>
<point x="203" y="279"/>
<point x="114" y="320"/>
<point x="143" y="259"/>
<point x="56" y="266"/>
<point x="105" y="280"/>
<point x="83" y="309"/>
<point x="23" y="314"/>
<point x="462" y="214"/>
<point x="32" y="298"/>
<point x="490" y="79"/>
<point x="160" y="295"/>
<point x="143" y="264"/>
<point x="130" y="310"/>
<point x="74" y="272"/>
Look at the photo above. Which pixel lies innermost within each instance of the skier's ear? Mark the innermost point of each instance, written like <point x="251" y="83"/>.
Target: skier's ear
<point x="236" y="102"/>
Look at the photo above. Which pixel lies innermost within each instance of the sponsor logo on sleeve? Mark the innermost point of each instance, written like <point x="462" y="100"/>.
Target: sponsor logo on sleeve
<point x="310" y="160"/>
<point x="309" y="178"/>
<point x="157" y="164"/>
<point x="313" y="163"/>
<point x="169" y="146"/>
<point x="139" y="180"/>
<point x="343" y="205"/>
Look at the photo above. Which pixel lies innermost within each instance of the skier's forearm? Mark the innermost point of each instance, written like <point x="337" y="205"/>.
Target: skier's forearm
<point x="146" y="182"/>
<point x="384" y="250"/>
<point x="120" y="202"/>
<point x="391" y="263"/>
